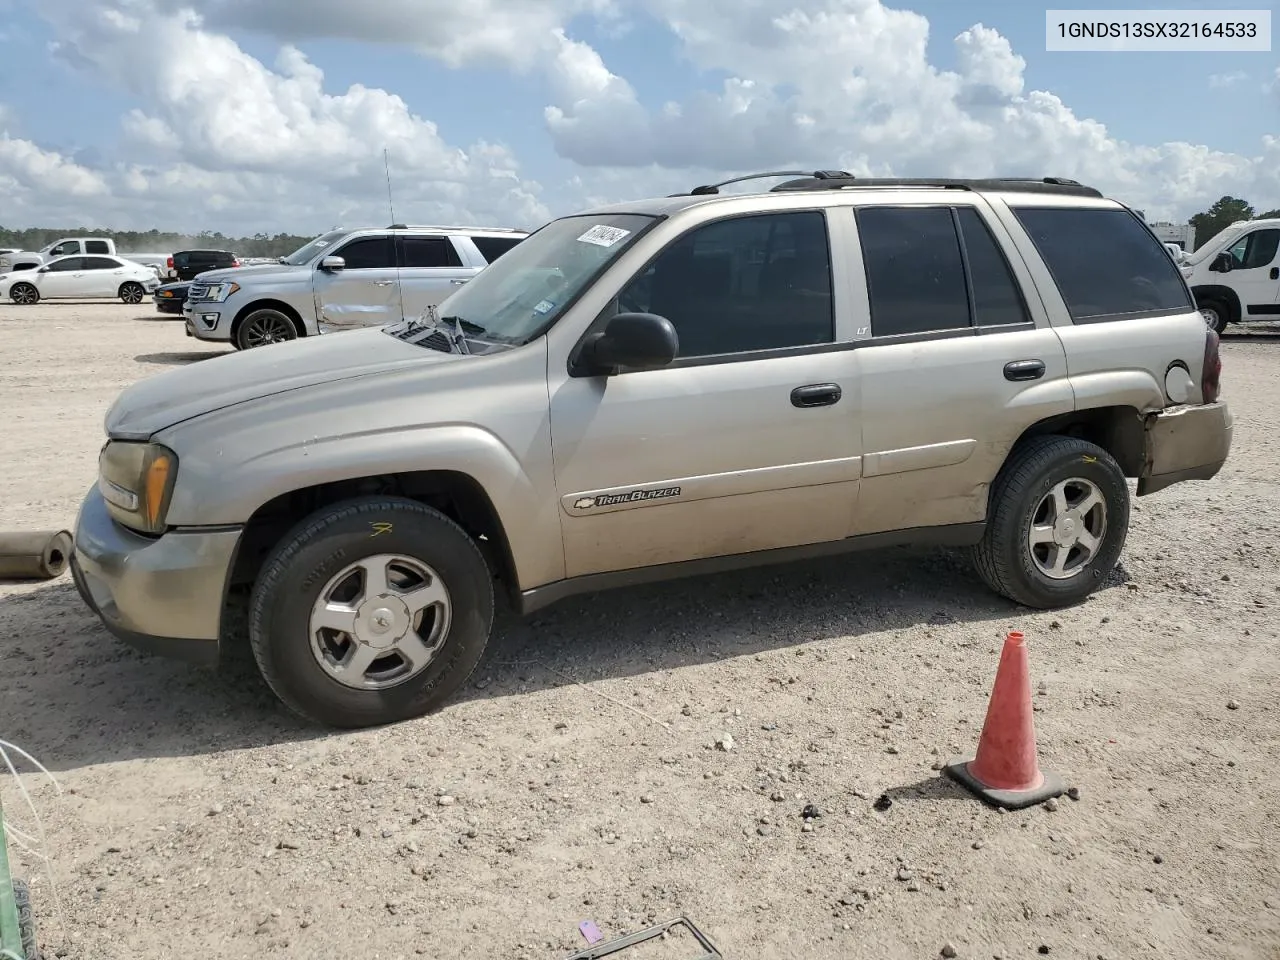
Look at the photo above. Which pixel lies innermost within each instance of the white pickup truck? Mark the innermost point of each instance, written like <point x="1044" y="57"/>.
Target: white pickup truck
<point x="70" y="246"/>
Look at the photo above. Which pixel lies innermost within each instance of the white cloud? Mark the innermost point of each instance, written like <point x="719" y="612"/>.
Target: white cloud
<point x="223" y="140"/>
<point x="1221" y="81"/>
<point x="848" y="83"/>
<point x="229" y="142"/>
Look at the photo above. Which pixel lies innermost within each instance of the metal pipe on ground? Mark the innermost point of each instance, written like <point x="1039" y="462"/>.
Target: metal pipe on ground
<point x="40" y="555"/>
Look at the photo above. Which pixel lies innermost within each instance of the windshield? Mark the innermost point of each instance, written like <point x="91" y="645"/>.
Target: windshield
<point x="520" y="295"/>
<point x="1216" y="242"/>
<point x="308" y="252"/>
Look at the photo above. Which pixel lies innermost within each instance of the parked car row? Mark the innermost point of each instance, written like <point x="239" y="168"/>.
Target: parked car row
<point x="80" y="277"/>
<point x="342" y="280"/>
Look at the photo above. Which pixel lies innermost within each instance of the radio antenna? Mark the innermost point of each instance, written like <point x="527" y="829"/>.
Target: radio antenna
<point x="397" y="245"/>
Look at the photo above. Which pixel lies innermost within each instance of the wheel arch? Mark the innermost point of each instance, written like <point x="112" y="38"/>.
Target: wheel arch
<point x="457" y="495"/>
<point x="1217" y="291"/>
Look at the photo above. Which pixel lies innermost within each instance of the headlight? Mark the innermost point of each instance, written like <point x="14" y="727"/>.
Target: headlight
<point x="136" y="480"/>
<point x="218" y="292"/>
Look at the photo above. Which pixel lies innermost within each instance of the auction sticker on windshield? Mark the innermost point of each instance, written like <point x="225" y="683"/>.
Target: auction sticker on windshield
<point x="603" y="235"/>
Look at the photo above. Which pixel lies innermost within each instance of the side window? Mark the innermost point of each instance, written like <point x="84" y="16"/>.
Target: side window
<point x="428" y="252"/>
<point x="915" y="273"/>
<point x="67" y="265"/>
<point x="65" y="248"/>
<point x="749" y="283"/>
<point x="1255" y="250"/>
<point x="100" y="263"/>
<point x="491" y="248"/>
<point x="96" y="246"/>
<point x="997" y="299"/>
<point x="1107" y="265"/>
<point x="368" y="253"/>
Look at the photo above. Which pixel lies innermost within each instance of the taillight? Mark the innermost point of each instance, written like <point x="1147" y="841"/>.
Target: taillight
<point x="1210" y="379"/>
<point x="235" y="261"/>
<point x="169" y="263"/>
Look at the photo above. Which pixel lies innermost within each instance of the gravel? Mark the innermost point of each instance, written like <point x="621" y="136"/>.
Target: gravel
<point x="817" y="656"/>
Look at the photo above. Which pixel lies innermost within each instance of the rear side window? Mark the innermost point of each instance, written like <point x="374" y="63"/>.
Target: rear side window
<point x="491" y="248"/>
<point x="100" y="263"/>
<point x="428" y="252"/>
<point x="1107" y="265"/>
<point x="96" y="246"/>
<point x="915" y="273"/>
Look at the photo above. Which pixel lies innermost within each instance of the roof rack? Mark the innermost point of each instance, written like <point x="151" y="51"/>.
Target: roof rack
<point x="1058" y="185"/>
<point x="439" y="226"/>
<point x="711" y="188"/>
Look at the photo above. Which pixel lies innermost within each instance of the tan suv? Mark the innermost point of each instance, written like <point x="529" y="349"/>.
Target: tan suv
<point x="653" y="389"/>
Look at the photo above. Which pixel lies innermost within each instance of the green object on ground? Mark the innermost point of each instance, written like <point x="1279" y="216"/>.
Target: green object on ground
<point x="10" y="931"/>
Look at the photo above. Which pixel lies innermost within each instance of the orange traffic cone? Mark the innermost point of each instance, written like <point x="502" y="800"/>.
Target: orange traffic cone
<point x="1005" y="772"/>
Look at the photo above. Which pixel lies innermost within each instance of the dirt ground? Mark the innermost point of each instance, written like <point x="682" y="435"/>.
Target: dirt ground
<point x="577" y="779"/>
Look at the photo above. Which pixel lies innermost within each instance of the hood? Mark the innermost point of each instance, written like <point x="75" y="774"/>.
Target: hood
<point x="268" y="270"/>
<point x="223" y="381"/>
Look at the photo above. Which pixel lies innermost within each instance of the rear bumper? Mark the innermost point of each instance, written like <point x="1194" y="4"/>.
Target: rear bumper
<point x="162" y="596"/>
<point x="1185" y="443"/>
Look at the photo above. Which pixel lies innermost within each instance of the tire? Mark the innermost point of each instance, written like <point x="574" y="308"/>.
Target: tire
<point x="26" y="919"/>
<point x="1007" y="560"/>
<point x="131" y="293"/>
<point x="1216" y="314"/>
<point x="25" y="294"/>
<point x="298" y="659"/>
<point x="263" y="327"/>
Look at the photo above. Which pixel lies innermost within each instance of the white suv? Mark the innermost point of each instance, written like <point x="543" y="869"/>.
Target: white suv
<point x="341" y="280"/>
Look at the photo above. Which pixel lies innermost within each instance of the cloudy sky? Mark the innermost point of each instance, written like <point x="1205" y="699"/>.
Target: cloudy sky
<point x="272" y="115"/>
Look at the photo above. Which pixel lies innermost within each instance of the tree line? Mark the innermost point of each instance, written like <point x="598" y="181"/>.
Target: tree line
<point x="1224" y="212"/>
<point x="157" y="241"/>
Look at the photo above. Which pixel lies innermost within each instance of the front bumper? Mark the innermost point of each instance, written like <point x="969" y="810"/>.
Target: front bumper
<point x="168" y="305"/>
<point x="162" y="596"/>
<point x="206" y="320"/>
<point x="1185" y="443"/>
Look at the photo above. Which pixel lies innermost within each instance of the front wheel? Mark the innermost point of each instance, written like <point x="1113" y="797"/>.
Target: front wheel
<point x="131" y="292"/>
<point x="263" y="327"/>
<point x="25" y="294"/>
<point x="1058" y="521"/>
<point x="370" y="612"/>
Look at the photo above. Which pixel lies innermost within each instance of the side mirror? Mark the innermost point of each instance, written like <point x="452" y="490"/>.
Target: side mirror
<point x="333" y="264"/>
<point x="639" y="340"/>
<point x="1222" y="263"/>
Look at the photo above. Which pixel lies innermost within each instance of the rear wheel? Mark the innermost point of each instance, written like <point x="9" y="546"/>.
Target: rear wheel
<point x="1058" y="521"/>
<point x="1215" y="313"/>
<point x="371" y="612"/>
<point x="24" y="293"/>
<point x="263" y="327"/>
<point x="131" y="292"/>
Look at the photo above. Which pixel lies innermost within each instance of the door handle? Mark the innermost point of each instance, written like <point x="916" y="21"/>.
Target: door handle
<point x="816" y="395"/>
<point x="458" y="283"/>
<point x="383" y="283"/>
<point x="1024" y="370"/>
<point x="1275" y="273"/>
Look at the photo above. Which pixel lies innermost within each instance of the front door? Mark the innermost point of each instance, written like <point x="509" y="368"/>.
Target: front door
<point x="63" y="279"/>
<point x="749" y="440"/>
<point x="365" y="293"/>
<point x="430" y="270"/>
<point x="1255" y="273"/>
<point x="954" y="370"/>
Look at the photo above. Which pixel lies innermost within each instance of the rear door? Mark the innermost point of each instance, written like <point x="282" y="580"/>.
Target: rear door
<point x="430" y="269"/>
<point x="101" y="277"/>
<point x="956" y="362"/>
<point x="363" y="294"/>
